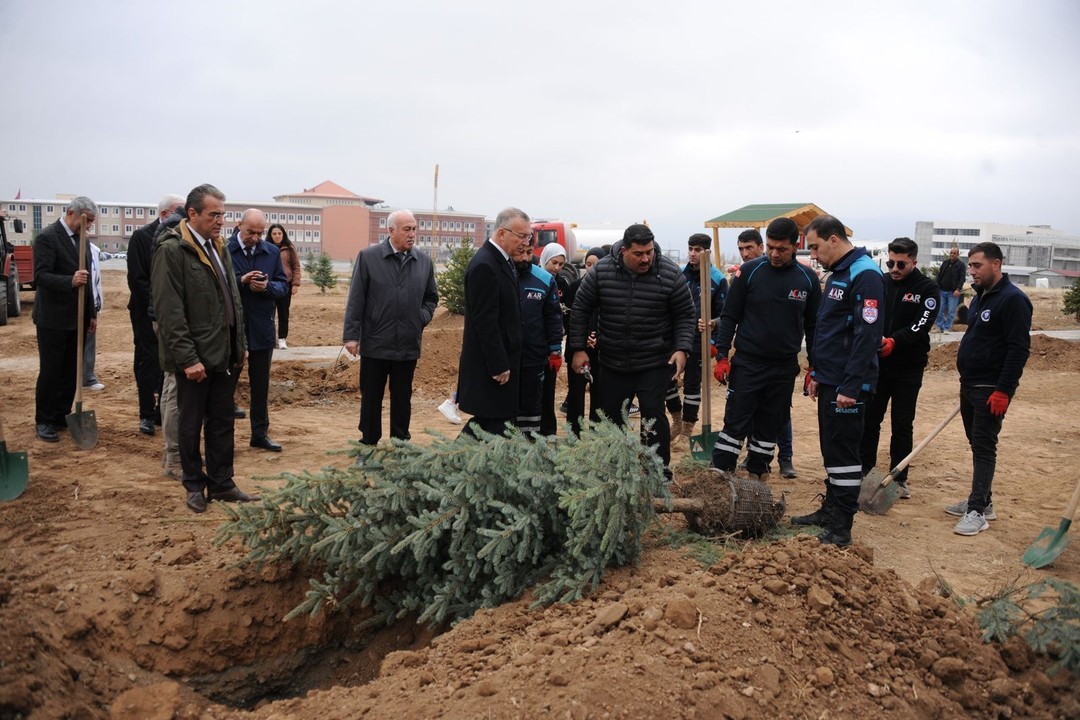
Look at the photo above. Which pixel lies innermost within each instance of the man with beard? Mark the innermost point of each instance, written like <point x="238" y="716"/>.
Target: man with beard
<point x="911" y="305"/>
<point x="991" y="359"/>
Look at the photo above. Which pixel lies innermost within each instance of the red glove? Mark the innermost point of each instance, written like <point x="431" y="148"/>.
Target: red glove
<point x="887" y="346"/>
<point x="722" y="370"/>
<point x="713" y="351"/>
<point x="555" y="362"/>
<point x="998" y="403"/>
<point x="807" y="380"/>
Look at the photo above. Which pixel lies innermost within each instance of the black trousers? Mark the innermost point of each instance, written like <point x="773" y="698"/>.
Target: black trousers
<point x="650" y="386"/>
<point x="982" y="431"/>
<point x="530" y="398"/>
<point x="549" y="425"/>
<point x="374" y="374"/>
<point x="283" y="305"/>
<point x="258" y="369"/>
<point x="206" y="405"/>
<point x="575" y="396"/>
<point x="840" y="435"/>
<point x="690" y="404"/>
<point x="902" y="389"/>
<point x="147" y="368"/>
<point x="55" y="391"/>
<point x="758" y="405"/>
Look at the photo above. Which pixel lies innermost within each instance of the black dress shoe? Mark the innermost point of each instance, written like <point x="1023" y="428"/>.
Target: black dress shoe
<point x="265" y="443"/>
<point x="233" y="494"/>
<point x="59" y="427"/>
<point x="146" y="426"/>
<point x="196" y="502"/>
<point x="45" y="432"/>
<point x="238" y="413"/>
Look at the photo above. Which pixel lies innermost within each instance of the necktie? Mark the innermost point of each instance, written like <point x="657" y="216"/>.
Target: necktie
<point x="225" y="291"/>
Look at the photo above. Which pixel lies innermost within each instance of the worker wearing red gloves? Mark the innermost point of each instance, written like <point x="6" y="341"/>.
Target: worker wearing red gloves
<point x="991" y="360"/>
<point x="541" y="337"/>
<point x="771" y="305"/>
<point x="911" y="305"/>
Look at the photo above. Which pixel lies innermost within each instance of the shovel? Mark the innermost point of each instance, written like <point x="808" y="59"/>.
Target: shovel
<point x="14" y="471"/>
<point x="1051" y="542"/>
<point x="701" y="445"/>
<point x="877" y="493"/>
<point x="83" y="425"/>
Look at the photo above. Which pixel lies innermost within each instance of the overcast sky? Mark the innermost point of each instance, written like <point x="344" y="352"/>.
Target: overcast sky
<point x="587" y="111"/>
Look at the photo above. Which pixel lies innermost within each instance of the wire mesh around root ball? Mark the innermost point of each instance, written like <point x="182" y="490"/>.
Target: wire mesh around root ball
<point x="726" y="504"/>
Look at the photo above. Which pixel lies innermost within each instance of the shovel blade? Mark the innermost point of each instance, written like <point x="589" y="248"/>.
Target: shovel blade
<point x="1047" y="546"/>
<point x="880" y="498"/>
<point x="83" y="427"/>
<point x="14" y="473"/>
<point x="701" y="445"/>
<point x="870" y="484"/>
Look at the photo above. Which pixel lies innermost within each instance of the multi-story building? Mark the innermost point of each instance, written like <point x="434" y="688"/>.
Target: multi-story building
<point x="1027" y="249"/>
<point x="325" y="218"/>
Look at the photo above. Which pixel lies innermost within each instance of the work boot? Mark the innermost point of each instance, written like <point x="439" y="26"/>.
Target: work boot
<point x="838" y="531"/>
<point x="787" y="470"/>
<point x="820" y="517"/>
<point x="676" y="428"/>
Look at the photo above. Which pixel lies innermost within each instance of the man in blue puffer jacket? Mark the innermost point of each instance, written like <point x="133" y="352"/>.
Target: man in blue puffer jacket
<point x="645" y="330"/>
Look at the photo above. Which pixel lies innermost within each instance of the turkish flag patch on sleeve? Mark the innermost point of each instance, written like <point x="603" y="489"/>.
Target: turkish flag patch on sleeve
<point x="869" y="311"/>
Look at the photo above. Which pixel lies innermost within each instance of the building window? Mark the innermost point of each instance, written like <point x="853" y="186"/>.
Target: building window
<point x="50" y="209"/>
<point x="128" y="229"/>
<point x="382" y="222"/>
<point x="115" y="229"/>
<point x="307" y="235"/>
<point x="22" y="208"/>
<point x="128" y="213"/>
<point x="292" y="217"/>
<point x="139" y="212"/>
<point x="316" y="235"/>
<point x="445" y="225"/>
<point x="11" y="208"/>
<point x="116" y="212"/>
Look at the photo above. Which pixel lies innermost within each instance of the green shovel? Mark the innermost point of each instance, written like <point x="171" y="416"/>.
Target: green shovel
<point x="1050" y="543"/>
<point x="14" y="471"/>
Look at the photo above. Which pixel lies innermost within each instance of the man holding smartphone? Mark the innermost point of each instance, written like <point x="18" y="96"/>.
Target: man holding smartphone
<point x="261" y="279"/>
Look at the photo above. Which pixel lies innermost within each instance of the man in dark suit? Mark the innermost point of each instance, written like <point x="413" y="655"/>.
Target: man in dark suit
<point x="490" y="366"/>
<point x="148" y="374"/>
<point x="261" y="279"/>
<point x="59" y="282"/>
<point x="201" y="339"/>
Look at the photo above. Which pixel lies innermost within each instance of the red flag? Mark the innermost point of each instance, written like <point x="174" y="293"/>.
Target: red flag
<point x="18" y="195"/>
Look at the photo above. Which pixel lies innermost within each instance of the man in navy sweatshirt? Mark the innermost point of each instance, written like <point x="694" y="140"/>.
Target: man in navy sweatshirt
<point x="991" y="360"/>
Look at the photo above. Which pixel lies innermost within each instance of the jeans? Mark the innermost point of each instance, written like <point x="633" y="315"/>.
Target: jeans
<point x="982" y="430"/>
<point x="947" y="313"/>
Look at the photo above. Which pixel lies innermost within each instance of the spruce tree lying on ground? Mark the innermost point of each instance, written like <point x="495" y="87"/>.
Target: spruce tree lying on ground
<point x="442" y="530"/>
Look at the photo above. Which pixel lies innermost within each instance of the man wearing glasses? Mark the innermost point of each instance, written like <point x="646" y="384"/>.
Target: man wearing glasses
<point x="201" y="337"/>
<point x="911" y="306"/>
<point x="847" y="337"/>
<point x="261" y="279"/>
<point x="489" y="371"/>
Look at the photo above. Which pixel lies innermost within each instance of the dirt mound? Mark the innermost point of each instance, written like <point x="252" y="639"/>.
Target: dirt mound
<point x="1047" y="353"/>
<point x="790" y="629"/>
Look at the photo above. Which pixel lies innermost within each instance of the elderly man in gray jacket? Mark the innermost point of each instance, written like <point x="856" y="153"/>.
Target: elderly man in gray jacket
<point x="391" y="299"/>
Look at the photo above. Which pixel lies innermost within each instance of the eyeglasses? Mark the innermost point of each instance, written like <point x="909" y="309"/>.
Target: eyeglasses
<point x="899" y="264"/>
<point x="527" y="237"/>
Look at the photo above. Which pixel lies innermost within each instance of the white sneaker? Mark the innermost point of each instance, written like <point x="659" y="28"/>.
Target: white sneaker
<point x="960" y="509"/>
<point x="281" y="344"/>
<point x="972" y="523"/>
<point x="449" y="411"/>
<point x="94" y="386"/>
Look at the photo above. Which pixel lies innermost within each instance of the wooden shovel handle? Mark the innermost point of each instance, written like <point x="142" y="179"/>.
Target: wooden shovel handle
<point x="80" y="331"/>
<point x="1069" y="511"/>
<point x="706" y="310"/>
<point x="919" y="448"/>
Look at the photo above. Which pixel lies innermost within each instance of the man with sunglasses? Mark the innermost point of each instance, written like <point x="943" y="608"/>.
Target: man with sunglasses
<point x="846" y="340"/>
<point x="489" y="371"/>
<point x="911" y="306"/>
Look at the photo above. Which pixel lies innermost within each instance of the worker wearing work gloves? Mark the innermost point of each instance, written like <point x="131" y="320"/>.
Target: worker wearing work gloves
<point x="541" y="336"/>
<point x="846" y="338"/>
<point x="991" y="360"/>
<point x="911" y="305"/>
<point x="772" y="303"/>
<point x="689" y="405"/>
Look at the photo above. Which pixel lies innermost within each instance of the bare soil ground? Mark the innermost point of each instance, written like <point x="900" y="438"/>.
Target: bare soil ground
<point x="115" y="602"/>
